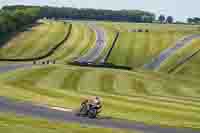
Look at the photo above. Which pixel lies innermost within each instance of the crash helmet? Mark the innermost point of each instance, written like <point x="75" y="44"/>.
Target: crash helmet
<point x="98" y="98"/>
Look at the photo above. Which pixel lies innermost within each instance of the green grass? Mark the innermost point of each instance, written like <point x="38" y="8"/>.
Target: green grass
<point x="36" y="41"/>
<point x="40" y="39"/>
<point x="171" y="61"/>
<point x="136" y="49"/>
<point x="10" y="123"/>
<point x="139" y="96"/>
<point x="190" y="68"/>
<point x="82" y="38"/>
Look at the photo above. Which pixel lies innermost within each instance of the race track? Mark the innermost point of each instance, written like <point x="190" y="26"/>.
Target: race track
<point x="169" y="51"/>
<point x="94" y="53"/>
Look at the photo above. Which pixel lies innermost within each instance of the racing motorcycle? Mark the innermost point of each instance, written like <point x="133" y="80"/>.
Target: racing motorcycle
<point x="89" y="110"/>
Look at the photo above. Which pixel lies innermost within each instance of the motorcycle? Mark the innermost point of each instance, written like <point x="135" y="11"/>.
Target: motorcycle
<point x="89" y="110"/>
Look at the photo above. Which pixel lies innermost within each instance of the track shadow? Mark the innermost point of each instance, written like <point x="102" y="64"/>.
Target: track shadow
<point x="6" y="37"/>
<point x="104" y="118"/>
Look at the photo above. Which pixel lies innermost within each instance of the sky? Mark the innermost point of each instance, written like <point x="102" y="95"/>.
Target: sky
<point x="180" y="9"/>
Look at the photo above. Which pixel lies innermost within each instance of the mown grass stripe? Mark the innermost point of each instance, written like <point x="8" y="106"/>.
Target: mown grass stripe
<point x="29" y="49"/>
<point x="71" y="80"/>
<point x="152" y="104"/>
<point x="29" y="80"/>
<point x="16" y="45"/>
<point x="107" y="82"/>
<point x="53" y="79"/>
<point x="70" y="44"/>
<point x="50" y="40"/>
<point x="49" y="53"/>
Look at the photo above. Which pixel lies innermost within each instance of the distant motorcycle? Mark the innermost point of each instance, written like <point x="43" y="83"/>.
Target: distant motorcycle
<point x="89" y="110"/>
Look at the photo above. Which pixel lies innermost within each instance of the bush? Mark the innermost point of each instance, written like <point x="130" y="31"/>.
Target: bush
<point x="140" y="30"/>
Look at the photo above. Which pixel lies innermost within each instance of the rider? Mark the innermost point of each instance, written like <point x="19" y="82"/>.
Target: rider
<point x="96" y="101"/>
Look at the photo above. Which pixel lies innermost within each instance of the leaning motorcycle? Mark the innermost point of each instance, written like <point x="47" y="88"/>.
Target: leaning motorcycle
<point x="89" y="110"/>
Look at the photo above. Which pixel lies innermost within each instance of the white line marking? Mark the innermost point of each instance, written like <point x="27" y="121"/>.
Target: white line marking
<point x="61" y="109"/>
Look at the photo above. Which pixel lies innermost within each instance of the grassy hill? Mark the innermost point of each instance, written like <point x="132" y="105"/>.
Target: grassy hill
<point x="190" y="68"/>
<point x="81" y="39"/>
<point x="138" y="48"/>
<point x="136" y="95"/>
<point x="139" y="96"/>
<point x="40" y="39"/>
<point x="135" y="48"/>
<point x="35" y="41"/>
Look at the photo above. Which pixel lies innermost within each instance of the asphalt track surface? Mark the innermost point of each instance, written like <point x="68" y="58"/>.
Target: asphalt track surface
<point x="169" y="51"/>
<point x="94" y="53"/>
<point x="12" y="67"/>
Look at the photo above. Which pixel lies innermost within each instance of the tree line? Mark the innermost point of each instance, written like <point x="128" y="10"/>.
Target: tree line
<point x="12" y="20"/>
<point x="194" y="20"/>
<point x="91" y="14"/>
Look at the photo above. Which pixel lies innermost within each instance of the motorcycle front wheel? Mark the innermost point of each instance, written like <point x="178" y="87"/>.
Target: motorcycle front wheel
<point x="92" y="113"/>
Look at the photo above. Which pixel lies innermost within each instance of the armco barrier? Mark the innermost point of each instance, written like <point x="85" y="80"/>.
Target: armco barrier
<point x="113" y="45"/>
<point x="45" y="55"/>
<point x="105" y="64"/>
<point x="188" y="58"/>
<point x="102" y="65"/>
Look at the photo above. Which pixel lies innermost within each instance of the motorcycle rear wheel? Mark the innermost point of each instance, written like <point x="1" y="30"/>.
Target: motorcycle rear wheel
<point x="83" y="110"/>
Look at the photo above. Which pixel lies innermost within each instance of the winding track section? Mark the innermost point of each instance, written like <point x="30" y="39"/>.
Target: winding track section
<point x="169" y="51"/>
<point x="95" y="52"/>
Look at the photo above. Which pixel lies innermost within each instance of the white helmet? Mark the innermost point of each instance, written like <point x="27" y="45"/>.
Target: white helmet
<point x="98" y="98"/>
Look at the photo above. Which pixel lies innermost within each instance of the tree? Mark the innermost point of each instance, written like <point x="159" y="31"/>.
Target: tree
<point x="148" y="19"/>
<point x="14" y="18"/>
<point x="190" y="20"/>
<point x="161" y="18"/>
<point x="194" y="20"/>
<point x="170" y="20"/>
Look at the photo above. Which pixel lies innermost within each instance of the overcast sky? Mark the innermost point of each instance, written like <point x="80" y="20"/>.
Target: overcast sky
<point x="180" y="9"/>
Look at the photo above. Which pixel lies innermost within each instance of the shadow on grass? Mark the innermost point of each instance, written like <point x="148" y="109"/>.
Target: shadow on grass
<point x="6" y="37"/>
